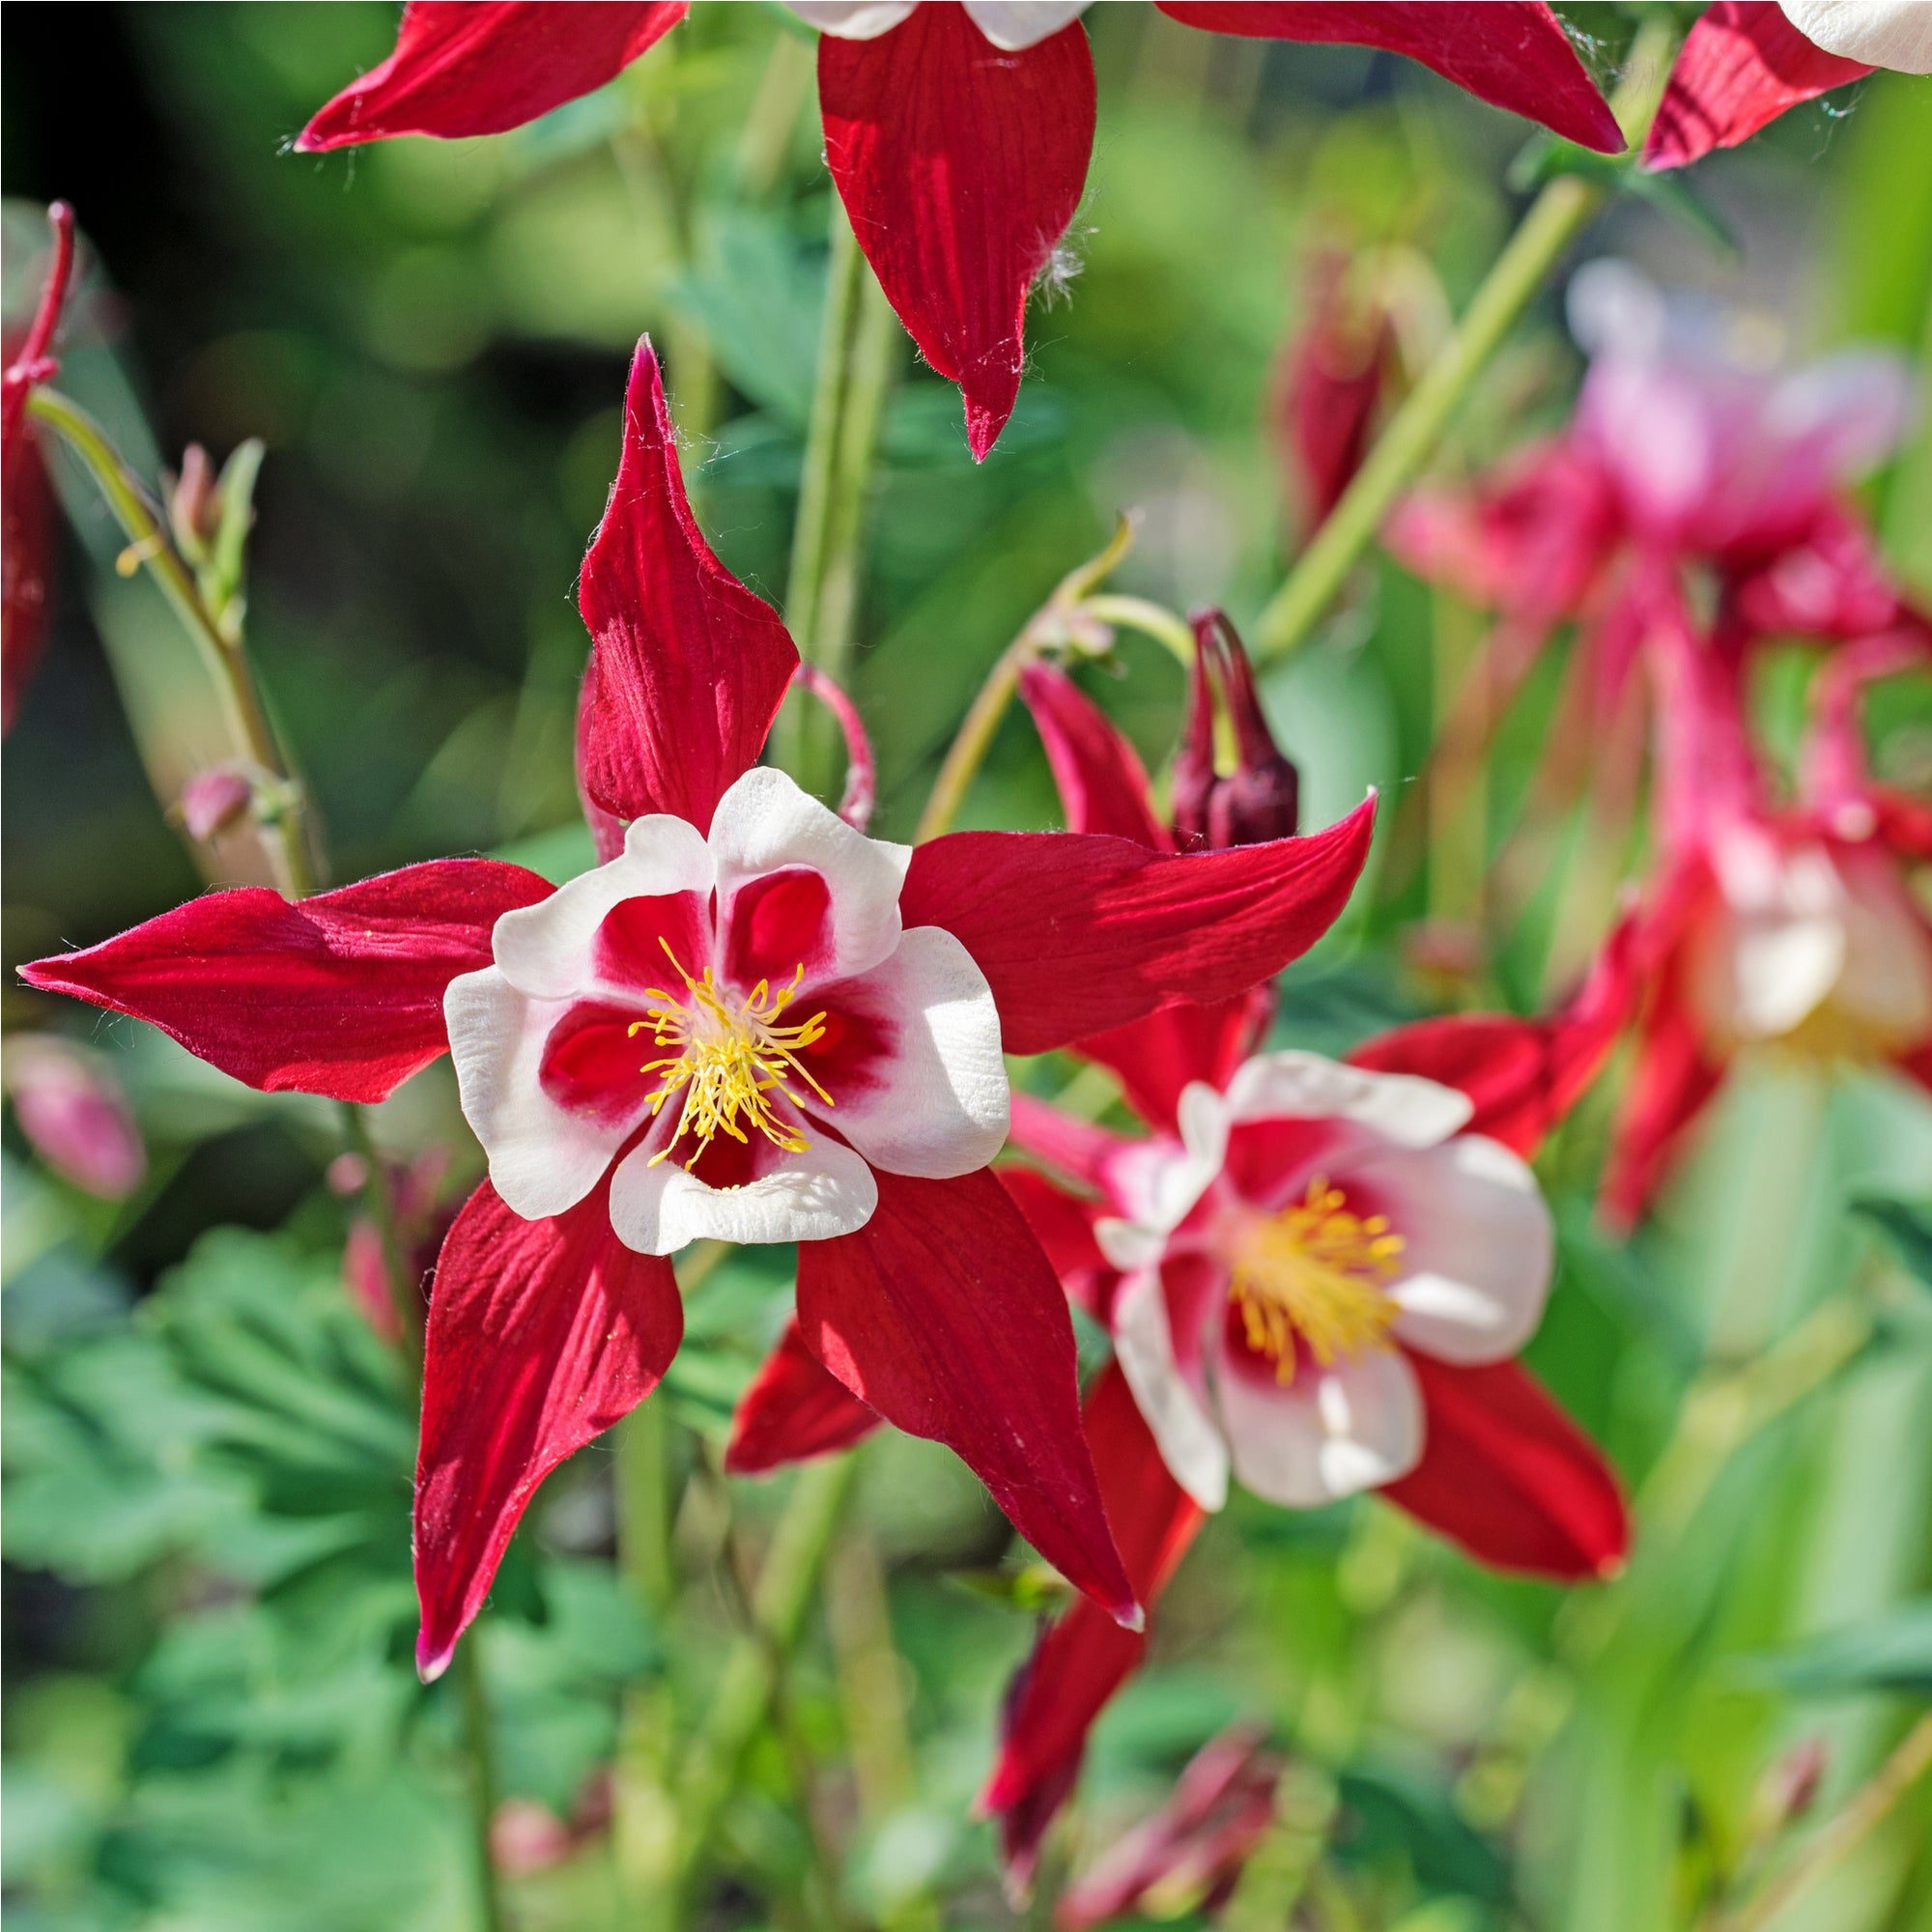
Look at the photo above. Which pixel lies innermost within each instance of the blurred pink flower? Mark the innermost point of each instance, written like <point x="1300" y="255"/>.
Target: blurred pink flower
<point x="211" y="801"/>
<point x="74" y="1114"/>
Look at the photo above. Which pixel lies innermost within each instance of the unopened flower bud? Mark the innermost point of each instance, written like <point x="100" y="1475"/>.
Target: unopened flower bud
<point x="1791" y="1786"/>
<point x="193" y="510"/>
<point x="211" y="801"/>
<point x="74" y="1115"/>
<point x="1260" y="799"/>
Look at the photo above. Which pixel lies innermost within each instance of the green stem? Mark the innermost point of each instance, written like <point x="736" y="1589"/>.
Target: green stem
<point x="481" y="1751"/>
<point x="283" y="832"/>
<point x="1554" y="220"/>
<point x="403" y="1295"/>
<point x="752" y="1664"/>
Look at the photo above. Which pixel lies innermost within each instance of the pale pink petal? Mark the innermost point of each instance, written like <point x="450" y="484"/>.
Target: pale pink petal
<point x="1882" y="33"/>
<point x="826" y="1190"/>
<point x="1331" y="1432"/>
<point x="548" y="951"/>
<point x="939" y="1103"/>
<point x="1478" y="1245"/>
<point x="1190" y="1443"/>
<point x="1294" y="1085"/>
<point x="542" y="1158"/>
<point x="764" y="823"/>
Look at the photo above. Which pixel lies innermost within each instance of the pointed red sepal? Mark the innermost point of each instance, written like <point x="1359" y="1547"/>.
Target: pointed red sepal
<point x="1082" y="1659"/>
<point x="1512" y="53"/>
<point x="687" y="667"/>
<point x="480" y="67"/>
<point x="540" y="1335"/>
<point x="1523" y="1075"/>
<point x="1508" y="1476"/>
<point x="943" y="1313"/>
<point x="1673" y="1081"/>
<point x="1741" y="64"/>
<point x="1102" y="783"/>
<point x="960" y="166"/>
<point x="1080" y="933"/>
<point x="795" y="1409"/>
<point x="1157" y="1058"/>
<point x="339" y="995"/>
<point x="1064" y="1226"/>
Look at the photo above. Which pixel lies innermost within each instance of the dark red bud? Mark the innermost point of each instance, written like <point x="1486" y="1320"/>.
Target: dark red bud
<point x="1330" y="385"/>
<point x="1261" y="798"/>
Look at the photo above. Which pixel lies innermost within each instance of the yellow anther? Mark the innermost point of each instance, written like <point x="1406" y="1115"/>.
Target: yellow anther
<point x="729" y="1060"/>
<point x="1316" y="1270"/>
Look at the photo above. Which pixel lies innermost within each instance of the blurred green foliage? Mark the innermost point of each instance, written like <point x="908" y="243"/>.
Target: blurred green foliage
<point x="211" y="1720"/>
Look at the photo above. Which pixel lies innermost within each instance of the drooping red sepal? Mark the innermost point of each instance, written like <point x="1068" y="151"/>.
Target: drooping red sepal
<point x="1523" y="1075"/>
<point x="960" y="165"/>
<point x="795" y="1409"/>
<point x="1077" y="934"/>
<point x="943" y="1313"/>
<point x="1508" y="1476"/>
<point x="687" y="667"/>
<point x="1673" y="1080"/>
<point x="1157" y="1058"/>
<point x="340" y="994"/>
<point x="1512" y="53"/>
<point x="540" y="1335"/>
<point x="1102" y="783"/>
<point x="488" y="65"/>
<point x="1741" y="64"/>
<point x="1083" y="1657"/>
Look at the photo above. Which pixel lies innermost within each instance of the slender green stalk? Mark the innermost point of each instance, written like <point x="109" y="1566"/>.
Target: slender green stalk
<point x="1554" y="220"/>
<point x="751" y="1675"/>
<point x="479" y="1747"/>
<point x="1860" y="1815"/>
<point x="283" y="830"/>
<point x="403" y="1296"/>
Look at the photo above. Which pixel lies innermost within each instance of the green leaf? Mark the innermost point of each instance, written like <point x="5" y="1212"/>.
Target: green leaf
<point x="1907" y="1228"/>
<point x="1892" y="1652"/>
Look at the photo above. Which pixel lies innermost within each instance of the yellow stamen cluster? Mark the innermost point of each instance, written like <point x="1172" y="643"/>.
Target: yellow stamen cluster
<point x="1316" y="1270"/>
<point x="729" y="1059"/>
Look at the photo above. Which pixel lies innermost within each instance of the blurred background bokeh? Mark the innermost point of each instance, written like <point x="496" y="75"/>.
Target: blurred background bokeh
<point x="209" y="1715"/>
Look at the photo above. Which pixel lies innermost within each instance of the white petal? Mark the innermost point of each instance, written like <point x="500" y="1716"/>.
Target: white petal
<point x="826" y="1190"/>
<point x="545" y="950"/>
<point x="1127" y="1245"/>
<point x="1328" y="1434"/>
<point x="852" y="19"/>
<point x="765" y="822"/>
<point x="1478" y="1246"/>
<point x="1850" y="410"/>
<point x="1409" y="1111"/>
<point x="1189" y="1443"/>
<point x="1012" y="25"/>
<point x="943" y="1101"/>
<point x="1882" y="33"/>
<point x="1885" y="986"/>
<point x="542" y="1158"/>
<point x="1778" y="952"/>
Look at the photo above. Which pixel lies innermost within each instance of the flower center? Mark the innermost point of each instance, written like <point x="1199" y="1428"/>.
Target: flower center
<point x="729" y="1059"/>
<point x="1315" y="1271"/>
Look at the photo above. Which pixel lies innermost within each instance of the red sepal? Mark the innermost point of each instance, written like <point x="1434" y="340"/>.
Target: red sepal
<point x="960" y="166"/>
<point x="340" y="994"/>
<point x="1082" y="1659"/>
<point x="1102" y="783"/>
<point x="687" y="667"/>
<point x="1511" y="53"/>
<point x="1673" y="1081"/>
<point x="1064" y="1226"/>
<point x="1157" y="1057"/>
<point x="1077" y="934"/>
<point x="795" y="1409"/>
<point x="488" y="65"/>
<point x="540" y="1335"/>
<point x="943" y="1313"/>
<point x="1741" y="66"/>
<point x="1508" y="1476"/>
<point x="1523" y="1075"/>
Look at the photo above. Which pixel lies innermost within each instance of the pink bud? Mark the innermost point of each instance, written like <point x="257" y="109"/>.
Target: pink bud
<point x="1791" y="1788"/>
<point x="1331" y="383"/>
<point x="1261" y="798"/>
<point x="74" y="1115"/>
<point x="526" y="1836"/>
<point x="211" y="801"/>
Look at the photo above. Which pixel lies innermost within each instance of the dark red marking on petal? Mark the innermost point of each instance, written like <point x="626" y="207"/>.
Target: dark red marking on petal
<point x="340" y="994"/>
<point x="775" y="924"/>
<point x="594" y="1063"/>
<point x="629" y="949"/>
<point x="480" y="67"/>
<point x="540" y="1335"/>
<point x="960" y="166"/>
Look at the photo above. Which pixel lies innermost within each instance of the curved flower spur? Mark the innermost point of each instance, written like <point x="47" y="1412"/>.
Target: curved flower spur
<point x="749" y="1022"/>
<point x="959" y="137"/>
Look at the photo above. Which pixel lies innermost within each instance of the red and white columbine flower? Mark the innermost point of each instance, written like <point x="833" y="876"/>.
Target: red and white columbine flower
<point x="1791" y="928"/>
<point x="959" y="137"/>
<point x="1746" y="61"/>
<point x="750" y="1021"/>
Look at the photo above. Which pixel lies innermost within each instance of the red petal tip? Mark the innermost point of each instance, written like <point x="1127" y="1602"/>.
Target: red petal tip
<point x="430" y="1662"/>
<point x="1132" y="1619"/>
